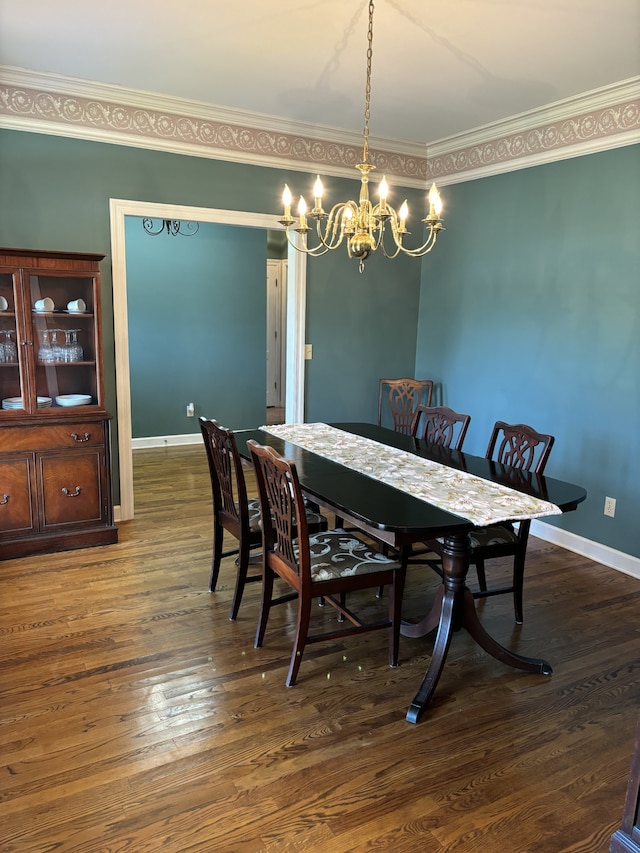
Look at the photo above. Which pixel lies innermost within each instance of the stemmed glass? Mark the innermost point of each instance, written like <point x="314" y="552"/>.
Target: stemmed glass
<point x="75" y="350"/>
<point x="66" y="347"/>
<point x="10" y="347"/>
<point x="45" y="353"/>
<point x="57" y="350"/>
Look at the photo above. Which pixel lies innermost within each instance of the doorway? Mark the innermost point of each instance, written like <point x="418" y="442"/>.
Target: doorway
<point x="276" y="339"/>
<point x="295" y="313"/>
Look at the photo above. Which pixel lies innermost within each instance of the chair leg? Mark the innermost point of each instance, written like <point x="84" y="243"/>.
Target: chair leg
<point x="218" y="533"/>
<point x="518" y="586"/>
<point x="241" y="579"/>
<point x="396" y="590"/>
<point x="302" y="630"/>
<point x="482" y="578"/>
<point x="343" y="602"/>
<point x="265" y="606"/>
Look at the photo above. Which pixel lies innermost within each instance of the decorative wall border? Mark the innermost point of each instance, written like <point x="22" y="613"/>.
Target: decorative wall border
<point x="42" y="103"/>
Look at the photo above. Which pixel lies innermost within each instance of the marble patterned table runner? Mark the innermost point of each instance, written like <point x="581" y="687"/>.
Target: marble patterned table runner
<point x="480" y="501"/>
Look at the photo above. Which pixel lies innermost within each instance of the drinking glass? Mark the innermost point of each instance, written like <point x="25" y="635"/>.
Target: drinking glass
<point x="10" y="346"/>
<point x="76" y="353"/>
<point x="57" y="349"/>
<point x="66" y="347"/>
<point x="45" y="353"/>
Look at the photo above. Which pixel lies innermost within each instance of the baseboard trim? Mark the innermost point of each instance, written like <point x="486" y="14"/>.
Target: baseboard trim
<point x="587" y="548"/>
<point x="166" y="440"/>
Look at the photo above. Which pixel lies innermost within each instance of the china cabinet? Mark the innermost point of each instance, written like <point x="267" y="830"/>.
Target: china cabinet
<point x="55" y="463"/>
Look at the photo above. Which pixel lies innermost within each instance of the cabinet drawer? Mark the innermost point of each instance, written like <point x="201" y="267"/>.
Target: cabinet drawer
<point x="72" y="488"/>
<point x="16" y="511"/>
<point x="52" y="437"/>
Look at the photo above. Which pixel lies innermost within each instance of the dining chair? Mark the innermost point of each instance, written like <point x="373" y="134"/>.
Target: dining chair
<point x="519" y="447"/>
<point x="324" y="565"/>
<point x="401" y="397"/>
<point x="440" y="425"/>
<point x="233" y="511"/>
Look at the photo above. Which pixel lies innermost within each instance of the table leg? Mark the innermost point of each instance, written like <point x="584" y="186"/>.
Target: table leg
<point x="453" y="609"/>
<point x="440" y="649"/>
<point x="429" y="623"/>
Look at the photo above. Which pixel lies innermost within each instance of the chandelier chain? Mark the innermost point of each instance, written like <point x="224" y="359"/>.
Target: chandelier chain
<point x="363" y="226"/>
<point x="367" y="91"/>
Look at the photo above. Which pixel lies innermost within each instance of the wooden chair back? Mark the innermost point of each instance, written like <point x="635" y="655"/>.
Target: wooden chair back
<point x="440" y="425"/>
<point x="228" y="484"/>
<point x="285" y="533"/>
<point x="232" y="509"/>
<point x="399" y="398"/>
<point x="519" y="446"/>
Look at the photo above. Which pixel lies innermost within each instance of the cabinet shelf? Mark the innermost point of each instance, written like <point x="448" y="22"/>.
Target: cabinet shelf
<point x="62" y="363"/>
<point x="63" y="314"/>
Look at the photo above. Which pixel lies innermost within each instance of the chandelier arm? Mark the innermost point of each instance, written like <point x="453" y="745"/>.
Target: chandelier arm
<point x="315" y="252"/>
<point x="390" y="255"/>
<point x="426" y="247"/>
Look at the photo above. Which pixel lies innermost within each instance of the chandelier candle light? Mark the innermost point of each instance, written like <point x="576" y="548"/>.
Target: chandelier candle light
<point x="363" y="225"/>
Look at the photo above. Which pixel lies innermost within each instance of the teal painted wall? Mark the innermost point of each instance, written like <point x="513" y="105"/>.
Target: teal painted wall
<point x="369" y="322"/>
<point x="197" y="315"/>
<point x="55" y="195"/>
<point x="530" y="312"/>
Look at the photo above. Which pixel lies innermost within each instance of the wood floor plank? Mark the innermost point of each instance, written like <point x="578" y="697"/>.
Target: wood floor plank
<point x="135" y="717"/>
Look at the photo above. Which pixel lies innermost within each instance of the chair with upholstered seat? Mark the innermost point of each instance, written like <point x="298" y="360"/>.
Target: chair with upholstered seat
<point x="233" y="511"/>
<point x="399" y="398"/>
<point x="440" y="425"/>
<point x="325" y="565"/>
<point x="519" y="447"/>
<point x="443" y="427"/>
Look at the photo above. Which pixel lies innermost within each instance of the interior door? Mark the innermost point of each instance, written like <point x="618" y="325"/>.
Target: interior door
<point x="276" y="334"/>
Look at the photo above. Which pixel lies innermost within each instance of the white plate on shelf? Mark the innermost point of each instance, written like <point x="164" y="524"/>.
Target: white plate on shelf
<point x="73" y="399"/>
<point x="12" y="403"/>
<point x="16" y="403"/>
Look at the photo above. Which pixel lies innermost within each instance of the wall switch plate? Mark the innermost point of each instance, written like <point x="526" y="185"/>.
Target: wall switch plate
<point x="610" y="507"/>
<point x="190" y="410"/>
<point x="308" y="351"/>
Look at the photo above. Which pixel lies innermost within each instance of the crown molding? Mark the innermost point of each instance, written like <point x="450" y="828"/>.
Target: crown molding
<point x="599" y="120"/>
<point x="65" y="106"/>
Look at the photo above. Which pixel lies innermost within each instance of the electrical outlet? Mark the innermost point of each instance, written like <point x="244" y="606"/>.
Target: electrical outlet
<point x="190" y="410"/>
<point x="610" y="507"/>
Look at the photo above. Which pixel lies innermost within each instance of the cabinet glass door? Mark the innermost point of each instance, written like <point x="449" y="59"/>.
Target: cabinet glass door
<point x="63" y="325"/>
<point x="13" y="370"/>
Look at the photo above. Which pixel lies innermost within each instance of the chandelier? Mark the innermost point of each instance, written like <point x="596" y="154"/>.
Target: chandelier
<point x="173" y="227"/>
<point x="363" y="226"/>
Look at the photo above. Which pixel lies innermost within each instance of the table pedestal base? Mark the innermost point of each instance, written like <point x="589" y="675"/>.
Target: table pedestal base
<point x="453" y="609"/>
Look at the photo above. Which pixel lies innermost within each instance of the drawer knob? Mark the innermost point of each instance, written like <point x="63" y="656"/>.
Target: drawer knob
<point x="69" y="494"/>
<point x="76" y="437"/>
<point x="5" y="499"/>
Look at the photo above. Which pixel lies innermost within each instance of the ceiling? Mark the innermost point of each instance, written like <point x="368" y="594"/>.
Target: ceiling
<point x="438" y="68"/>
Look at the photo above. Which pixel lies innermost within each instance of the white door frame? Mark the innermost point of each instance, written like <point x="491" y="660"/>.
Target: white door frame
<point x="296" y="306"/>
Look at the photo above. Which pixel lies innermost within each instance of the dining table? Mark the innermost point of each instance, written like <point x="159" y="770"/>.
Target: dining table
<point x="400" y="490"/>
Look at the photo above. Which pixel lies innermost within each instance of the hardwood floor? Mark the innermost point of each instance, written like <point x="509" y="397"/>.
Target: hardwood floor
<point x="135" y="717"/>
